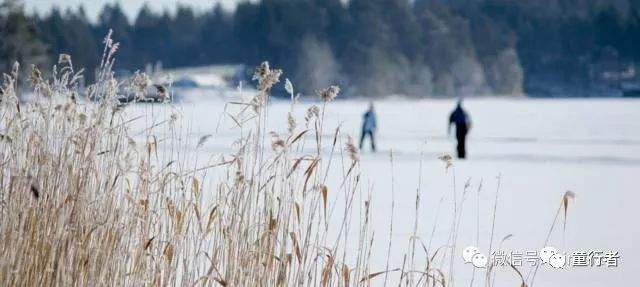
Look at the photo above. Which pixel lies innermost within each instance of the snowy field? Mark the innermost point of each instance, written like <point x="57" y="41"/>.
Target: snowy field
<point x="535" y="148"/>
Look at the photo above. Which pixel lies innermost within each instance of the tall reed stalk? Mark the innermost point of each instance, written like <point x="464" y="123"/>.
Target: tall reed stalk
<point x="88" y="199"/>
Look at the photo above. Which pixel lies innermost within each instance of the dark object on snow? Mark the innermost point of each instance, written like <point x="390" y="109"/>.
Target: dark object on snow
<point x="155" y="94"/>
<point x="185" y="83"/>
<point x="369" y="126"/>
<point x="460" y="118"/>
<point x="630" y="90"/>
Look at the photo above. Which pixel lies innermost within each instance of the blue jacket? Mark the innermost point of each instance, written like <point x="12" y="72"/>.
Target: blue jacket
<point x="369" y="122"/>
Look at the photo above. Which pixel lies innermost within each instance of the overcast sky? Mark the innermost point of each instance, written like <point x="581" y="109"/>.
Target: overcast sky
<point x="131" y="7"/>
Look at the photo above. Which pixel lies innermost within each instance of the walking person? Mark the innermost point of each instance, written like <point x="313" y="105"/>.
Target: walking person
<point x="369" y="126"/>
<point x="460" y="118"/>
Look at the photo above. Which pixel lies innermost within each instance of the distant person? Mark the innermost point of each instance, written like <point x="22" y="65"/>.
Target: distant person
<point x="460" y="118"/>
<point x="369" y="126"/>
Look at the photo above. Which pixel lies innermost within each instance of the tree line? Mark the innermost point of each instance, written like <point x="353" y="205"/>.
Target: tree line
<point x="370" y="47"/>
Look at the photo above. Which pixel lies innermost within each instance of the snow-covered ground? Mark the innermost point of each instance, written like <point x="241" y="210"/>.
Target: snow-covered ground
<point x="538" y="148"/>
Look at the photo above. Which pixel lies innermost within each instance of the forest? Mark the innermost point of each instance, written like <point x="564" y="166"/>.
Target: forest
<point x="372" y="48"/>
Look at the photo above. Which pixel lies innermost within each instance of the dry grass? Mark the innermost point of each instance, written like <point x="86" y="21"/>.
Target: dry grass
<point x="85" y="201"/>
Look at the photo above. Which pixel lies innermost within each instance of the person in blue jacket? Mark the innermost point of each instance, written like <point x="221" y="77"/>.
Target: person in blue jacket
<point x="460" y="119"/>
<point x="369" y="126"/>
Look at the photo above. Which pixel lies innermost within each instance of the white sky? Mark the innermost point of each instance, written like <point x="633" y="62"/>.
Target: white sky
<point x="131" y="7"/>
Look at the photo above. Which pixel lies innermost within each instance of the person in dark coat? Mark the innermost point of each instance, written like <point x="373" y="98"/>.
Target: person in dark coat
<point x="460" y="118"/>
<point x="369" y="126"/>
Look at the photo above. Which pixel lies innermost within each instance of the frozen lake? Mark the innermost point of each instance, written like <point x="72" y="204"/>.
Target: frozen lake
<point x="539" y="148"/>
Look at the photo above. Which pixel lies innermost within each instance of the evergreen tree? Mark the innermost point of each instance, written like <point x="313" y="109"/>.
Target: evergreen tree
<point x="70" y="34"/>
<point x="113" y="18"/>
<point x="151" y="37"/>
<point x="216" y="39"/>
<point x="184" y="38"/>
<point x="370" y="47"/>
<point x="20" y="42"/>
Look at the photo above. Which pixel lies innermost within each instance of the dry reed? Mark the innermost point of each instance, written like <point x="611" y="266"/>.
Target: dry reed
<point x="86" y="201"/>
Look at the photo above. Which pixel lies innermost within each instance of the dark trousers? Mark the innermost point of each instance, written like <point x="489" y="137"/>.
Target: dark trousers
<point x="371" y="138"/>
<point x="461" y="136"/>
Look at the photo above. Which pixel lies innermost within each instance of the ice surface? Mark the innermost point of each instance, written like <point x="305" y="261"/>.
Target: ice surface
<point x="539" y="148"/>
